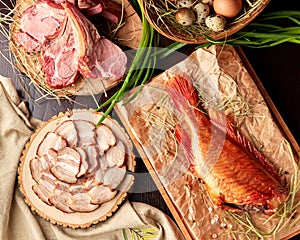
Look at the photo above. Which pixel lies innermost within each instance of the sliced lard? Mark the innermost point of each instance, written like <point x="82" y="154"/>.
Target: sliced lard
<point x="51" y="141"/>
<point x="37" y="168"/>
<point x="92" y="156"/>
<point x="115" y="156"/>
<point x="114" y="176"/>
<point x="67" y="165"/>
<point x="81" y="202"/>
<point x="105" y="138"/>
<point x="61" y="200"/>
<point x="101" y="194"/>
<point x="84" y="165"/>
<point x="86" y="132"/>
<point x="45" y="187"/>
<point x="68" y="131"/>
<point x="50" y="157"/>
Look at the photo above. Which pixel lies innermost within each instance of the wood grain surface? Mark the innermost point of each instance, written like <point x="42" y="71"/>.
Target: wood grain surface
<point x="277" y="68"/>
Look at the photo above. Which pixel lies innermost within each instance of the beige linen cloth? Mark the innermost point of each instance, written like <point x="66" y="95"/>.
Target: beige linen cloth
<point x="17" y="221"/>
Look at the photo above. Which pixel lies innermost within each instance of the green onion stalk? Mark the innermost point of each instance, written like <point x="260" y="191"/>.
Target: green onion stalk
<point x="141" y="69"/>
<point x="265" y="31"/>
<point x="143" y="64"/>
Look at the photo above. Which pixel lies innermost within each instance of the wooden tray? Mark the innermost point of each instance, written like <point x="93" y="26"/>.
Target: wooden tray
<point x="123" y="112"/>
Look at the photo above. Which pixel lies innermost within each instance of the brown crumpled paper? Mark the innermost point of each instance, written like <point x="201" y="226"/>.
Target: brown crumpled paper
<point x="223" y="83"/>
<point x="17" y="221"/>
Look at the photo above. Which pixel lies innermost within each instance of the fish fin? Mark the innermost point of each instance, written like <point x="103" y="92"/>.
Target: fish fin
<point x="223" y="122"/>
<point x="183" y="94"/>
<point x="182" y="86"/>
<point x="219" y="119"/>
<point x="183" y="138"/>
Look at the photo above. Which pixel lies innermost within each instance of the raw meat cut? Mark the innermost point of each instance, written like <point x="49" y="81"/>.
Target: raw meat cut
<point x="69" y="45"/>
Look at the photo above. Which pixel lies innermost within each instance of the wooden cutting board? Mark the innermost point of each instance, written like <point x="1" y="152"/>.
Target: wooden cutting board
<point x="229" y="70"/>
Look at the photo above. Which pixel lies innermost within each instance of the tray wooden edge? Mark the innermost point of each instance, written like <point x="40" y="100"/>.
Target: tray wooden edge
<point x="277" y="117"/>
<point x="178" y="218"/>
<point x="274" y="111"/>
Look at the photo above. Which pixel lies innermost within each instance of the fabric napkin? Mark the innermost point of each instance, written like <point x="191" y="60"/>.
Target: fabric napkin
<point x="17" y="221"/>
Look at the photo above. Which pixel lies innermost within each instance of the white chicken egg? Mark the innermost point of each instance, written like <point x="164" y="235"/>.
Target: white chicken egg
<point x="216" y="23"/>
<point x="202" y="11"/>
<point x="184" y="3"/>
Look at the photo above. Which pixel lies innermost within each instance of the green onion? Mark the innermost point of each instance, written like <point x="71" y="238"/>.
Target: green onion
<point x="264" y="32"/>
<point x="140" y="70"/>
<point x="164" y="52"/>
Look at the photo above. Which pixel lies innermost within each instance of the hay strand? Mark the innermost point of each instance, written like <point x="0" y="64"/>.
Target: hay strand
<point x="160" y="14"/>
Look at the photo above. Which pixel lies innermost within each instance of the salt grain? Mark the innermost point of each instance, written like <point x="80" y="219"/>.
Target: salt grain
<point x="215" y="219"/>
<point x="223" y="225"/>
<point x="191" y="209"/>
<point x="214" y="236"/>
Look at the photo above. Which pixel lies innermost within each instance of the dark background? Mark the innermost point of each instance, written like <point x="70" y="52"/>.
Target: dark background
<point x="277" y="67"/>
<point x="279" y="70"/>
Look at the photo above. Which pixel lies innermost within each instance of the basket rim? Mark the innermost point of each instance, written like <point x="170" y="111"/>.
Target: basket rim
<point x="200" y="39"/>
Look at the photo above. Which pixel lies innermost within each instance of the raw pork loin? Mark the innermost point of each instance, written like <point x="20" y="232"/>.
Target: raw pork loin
<point x="69" y="45"/>
<point x="38" y="22"/>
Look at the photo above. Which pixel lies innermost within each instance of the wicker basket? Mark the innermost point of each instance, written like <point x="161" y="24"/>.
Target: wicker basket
<point x="186" y="35"/>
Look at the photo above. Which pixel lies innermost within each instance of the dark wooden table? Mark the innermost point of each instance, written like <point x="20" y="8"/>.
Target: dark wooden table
<point x="278" y="69"/>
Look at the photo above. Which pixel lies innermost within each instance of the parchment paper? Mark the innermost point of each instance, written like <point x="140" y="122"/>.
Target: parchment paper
<point x="223" y="83"/>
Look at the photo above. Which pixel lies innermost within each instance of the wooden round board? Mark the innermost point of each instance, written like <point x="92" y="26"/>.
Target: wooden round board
<point x="75" y="218"/>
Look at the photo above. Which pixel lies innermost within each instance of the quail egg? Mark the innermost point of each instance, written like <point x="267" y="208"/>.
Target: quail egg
<point x="216" y="23"/>
<point x="184" y="3"/>
<point x="202" y="11"/>
<point x="185" y="16"/>
<point x="208" y="2"/>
